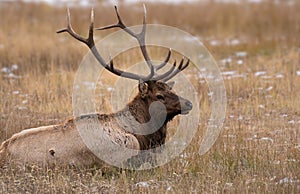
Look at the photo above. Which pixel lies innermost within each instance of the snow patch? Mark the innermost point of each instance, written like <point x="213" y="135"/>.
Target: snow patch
<point x="142" y="184"/>
<point x="241" y="54"/>
<point x="259" y="73"/>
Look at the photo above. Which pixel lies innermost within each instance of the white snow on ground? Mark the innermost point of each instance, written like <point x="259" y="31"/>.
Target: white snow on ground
<point x="259" y="73"/>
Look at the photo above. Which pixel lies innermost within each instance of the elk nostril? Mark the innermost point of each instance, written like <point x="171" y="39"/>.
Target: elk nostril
<point x="189" y="104"/>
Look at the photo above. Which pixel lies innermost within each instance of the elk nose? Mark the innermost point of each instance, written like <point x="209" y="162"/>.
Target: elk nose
<point x="189" y="105"/>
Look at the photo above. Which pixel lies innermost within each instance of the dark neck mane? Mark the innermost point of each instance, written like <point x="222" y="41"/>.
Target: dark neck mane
<point x="139" y="109"/>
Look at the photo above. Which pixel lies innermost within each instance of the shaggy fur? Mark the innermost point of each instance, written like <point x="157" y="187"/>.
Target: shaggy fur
<point x="62" y="144"/>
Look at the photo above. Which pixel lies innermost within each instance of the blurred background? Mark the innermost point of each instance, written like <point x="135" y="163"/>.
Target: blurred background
<point x="256" y="44"/>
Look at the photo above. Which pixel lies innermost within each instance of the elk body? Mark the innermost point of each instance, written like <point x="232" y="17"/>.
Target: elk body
<point x="62" y="144"/>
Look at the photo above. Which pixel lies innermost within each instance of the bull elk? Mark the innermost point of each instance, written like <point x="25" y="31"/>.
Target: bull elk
<point x="62" y="144"/>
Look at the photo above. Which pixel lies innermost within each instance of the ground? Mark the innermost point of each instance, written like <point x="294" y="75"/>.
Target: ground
<point x="257" y="48"/>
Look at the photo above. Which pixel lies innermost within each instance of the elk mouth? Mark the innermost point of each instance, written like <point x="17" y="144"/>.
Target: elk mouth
<point x="185" y="112"/>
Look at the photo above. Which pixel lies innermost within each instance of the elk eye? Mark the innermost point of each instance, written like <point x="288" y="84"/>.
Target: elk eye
<point x="160" y="97"/>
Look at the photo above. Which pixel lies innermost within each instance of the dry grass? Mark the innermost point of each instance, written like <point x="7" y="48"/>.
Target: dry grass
<point x="258" y="150"/>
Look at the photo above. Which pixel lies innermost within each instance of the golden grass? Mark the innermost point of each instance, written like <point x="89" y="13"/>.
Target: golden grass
<point x="258" y="149"/>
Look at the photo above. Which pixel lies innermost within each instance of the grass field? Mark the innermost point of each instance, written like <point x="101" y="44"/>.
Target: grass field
<point x="257" y="47"/>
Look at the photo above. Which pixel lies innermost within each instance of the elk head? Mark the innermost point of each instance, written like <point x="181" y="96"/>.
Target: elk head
<point x="152" y="91"/>
<point x="152" y="87"/>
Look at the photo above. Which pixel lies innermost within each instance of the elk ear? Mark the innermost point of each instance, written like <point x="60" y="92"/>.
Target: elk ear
<point x="143" y="88"/>
<point x="171" y="84"/>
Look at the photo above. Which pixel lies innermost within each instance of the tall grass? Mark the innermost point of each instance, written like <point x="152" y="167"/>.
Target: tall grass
<point x="258" y="149"/>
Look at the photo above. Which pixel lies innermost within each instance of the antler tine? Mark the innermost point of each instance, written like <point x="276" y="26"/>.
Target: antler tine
<point x="158" y="67"/>
<point x="70" y="30"/>
<point x="140" y="37"/>
<point x="166" y="74"/>
<point x="143" y="32"/>
<point x="186" y="65"/>
<point x="180" y="68"/>
<point x="90" y="39"/>
<point x="120" y="23"/>
<point x="111" y="64"/>
<point x="123" y="73"/>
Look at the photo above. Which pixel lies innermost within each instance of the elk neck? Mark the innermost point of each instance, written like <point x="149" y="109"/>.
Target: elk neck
<point x="139" y="109"/>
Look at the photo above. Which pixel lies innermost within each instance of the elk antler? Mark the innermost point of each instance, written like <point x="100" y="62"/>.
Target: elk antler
<point x="181" y="67"/>
<point x="140" y="37"/>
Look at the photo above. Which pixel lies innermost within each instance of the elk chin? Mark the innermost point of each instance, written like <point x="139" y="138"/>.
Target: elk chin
<point x="185" y="112"/>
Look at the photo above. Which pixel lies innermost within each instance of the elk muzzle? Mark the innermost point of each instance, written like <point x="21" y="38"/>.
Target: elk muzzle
<point x="186" y="106"/>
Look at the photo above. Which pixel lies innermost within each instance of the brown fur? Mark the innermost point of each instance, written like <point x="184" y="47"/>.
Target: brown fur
<point x="61" y="144"/>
